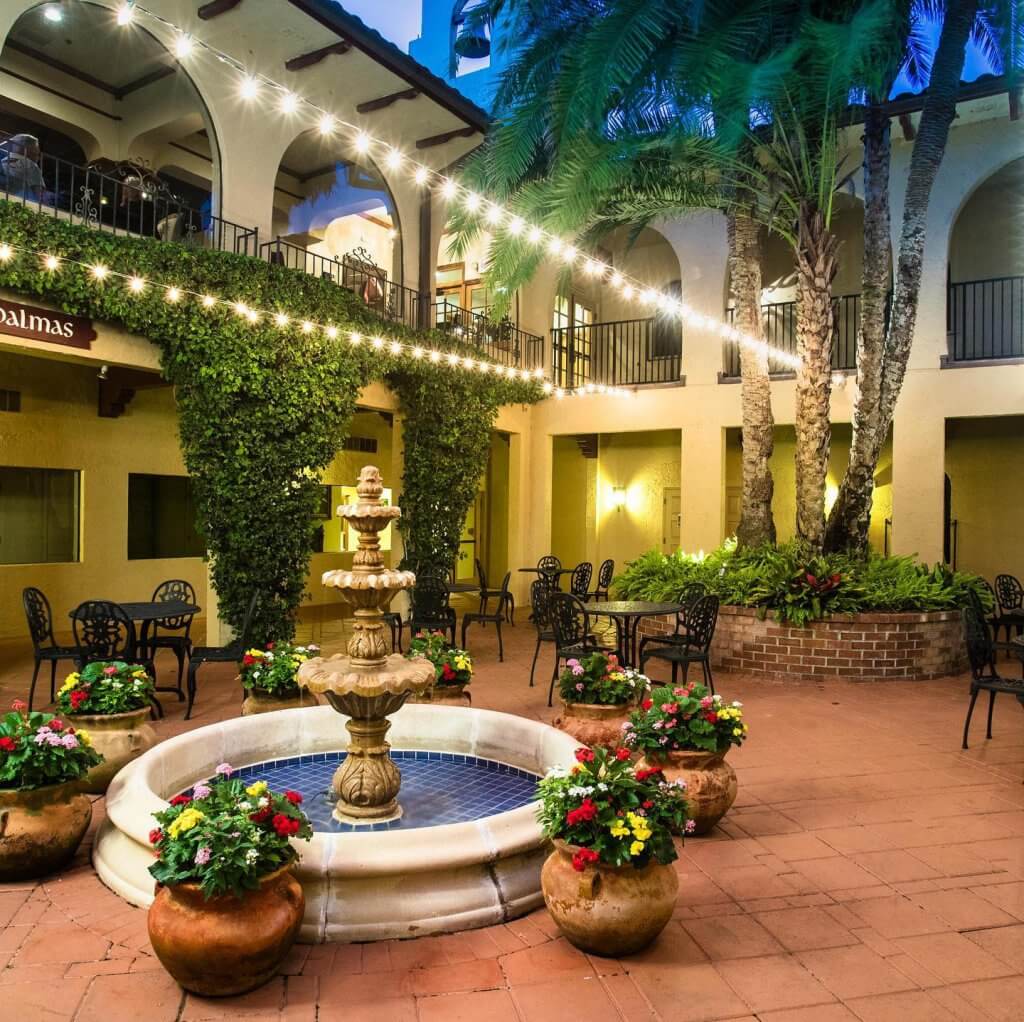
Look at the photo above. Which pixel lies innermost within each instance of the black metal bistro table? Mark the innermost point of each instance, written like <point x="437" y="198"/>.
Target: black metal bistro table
<point x="148" y="611"/>
<point x="556" y="574"/>
<point x="627" y="615"/>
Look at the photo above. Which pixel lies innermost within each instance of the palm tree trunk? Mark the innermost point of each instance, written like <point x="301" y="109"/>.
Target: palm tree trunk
<point x="851" y="514"/>
<point x="874" y="410"/>
<point x="816" y="268"/>
<point x="756" y="524"/>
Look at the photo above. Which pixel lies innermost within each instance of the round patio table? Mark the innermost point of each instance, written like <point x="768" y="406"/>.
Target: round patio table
<point x="148" y="611"/>
<point x="627" y="615"/>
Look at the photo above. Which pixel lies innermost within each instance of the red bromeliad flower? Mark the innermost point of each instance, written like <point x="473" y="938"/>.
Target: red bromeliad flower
<point x="584" y="755"/>
<point x="622" y="754"/>
<point x="8" y="744"/>
<point x="181" y="800"/>
<point x="294" y="797"/>
<point x="584" y="857"/>
<point x="156" y="835"/>
<point x="647" y="704"/>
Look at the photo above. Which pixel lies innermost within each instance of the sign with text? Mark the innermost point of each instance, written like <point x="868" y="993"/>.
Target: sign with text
<point x="45" y="325"/>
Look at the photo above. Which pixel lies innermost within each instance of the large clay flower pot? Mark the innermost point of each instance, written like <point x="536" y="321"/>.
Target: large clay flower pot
<point x="40" y="829"/>
<point x="608" y="910"/>
<point x="710" y="782"/>
<point x="593" y="723"/>
<point x="258" y="702"/>
<point x="120" y="737"/>
<point x="226" y="945"/>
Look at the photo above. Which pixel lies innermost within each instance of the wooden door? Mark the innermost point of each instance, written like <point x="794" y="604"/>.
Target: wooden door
<point x="671" y="519"/>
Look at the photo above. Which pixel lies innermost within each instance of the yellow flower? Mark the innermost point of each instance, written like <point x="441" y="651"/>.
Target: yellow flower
<point x="84" y="737"/>
<point x="636" y="848"/>
<point x="737" y="731"/>
<point x="256" y="789"/>
<point x="69" y="682"/>
<point x="188" y="819"/>
<point x="617" y="829"/>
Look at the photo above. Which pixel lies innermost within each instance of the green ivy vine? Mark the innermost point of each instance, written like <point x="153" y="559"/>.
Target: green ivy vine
<point x="261" y="413"/>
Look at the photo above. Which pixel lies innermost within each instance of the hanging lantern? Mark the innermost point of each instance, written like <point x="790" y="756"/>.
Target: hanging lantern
<point x="472" y="42"/>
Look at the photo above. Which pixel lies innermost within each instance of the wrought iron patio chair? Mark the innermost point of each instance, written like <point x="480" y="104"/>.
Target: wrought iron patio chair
<point x="981" y="654"/>
<point x="496" y="619"/>
<point x="1010" y="601"/>
<point x="579" y="580"/>
<point x="173" y="633"/>
<point x="686" y="598"/>
<point x="574" y="637"/>
<point x="44" y="645"/>
<point x="487" y="594"/>
<point x="541" y="592"/>
<point x="231" y="653"/>
<point x="605" y="574"/>
<point x="696" y="643"/>
<point x="431" y="611"/>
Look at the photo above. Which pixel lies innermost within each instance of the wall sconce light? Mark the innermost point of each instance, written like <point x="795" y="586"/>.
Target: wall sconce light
<point x="618" y="497"/>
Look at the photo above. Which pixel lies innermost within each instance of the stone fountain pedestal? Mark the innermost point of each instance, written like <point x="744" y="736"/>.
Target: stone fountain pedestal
<point x="369" y="683"/>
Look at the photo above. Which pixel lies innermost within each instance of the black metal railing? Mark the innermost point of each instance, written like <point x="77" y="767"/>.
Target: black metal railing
<point x="985" y="319"/>
<point x="132" y="203"/>
<point x="779" y="321"/>
<point x="502" y="342"/>
<point x="630" y="352"/>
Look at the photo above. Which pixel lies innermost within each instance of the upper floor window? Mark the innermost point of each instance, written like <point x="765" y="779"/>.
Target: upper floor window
<point x="39" y="515"/>
<point x="471" y="37"/>
<point x="162" y="518"/>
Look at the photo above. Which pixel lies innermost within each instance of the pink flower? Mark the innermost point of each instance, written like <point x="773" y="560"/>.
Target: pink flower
<point x="19" y="706"/>
<point x="679" y="692"/>
<point x="579" y="686"/>
<point x="202" y="855"/>
<point x="577" y="670"/>
<point x="54" y="739"/>
<point x="669" y="708"/>
<point x="706" y="702"/>
<point x="69" y="742"/>
<point x="110" y="670"/>
<point x="201" y="790"/>
<point x="691" y="826"/>
<point x="224" y="769"/>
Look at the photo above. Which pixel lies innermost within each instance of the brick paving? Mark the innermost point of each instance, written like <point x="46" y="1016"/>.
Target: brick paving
<point x="869" y="870"/>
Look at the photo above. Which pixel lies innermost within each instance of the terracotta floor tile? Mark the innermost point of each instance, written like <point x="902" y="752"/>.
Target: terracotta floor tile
<point x="732" y="937"/>
<point x="688" y="993"/>
<point x="855" y="972"/>
<point x="836" y="874"/>
<point x="68" y="943"/>
<point x="963" y="909"/>
<point x="794" y="847"/>
<point x="895" y="865"/>
<point x="954" y="1002"/>
<point x="760" y="824"/>
<point x="564" y="1000"/>
<point x="482" y="1006"/>
<point x="479" y="974"/>
<point x="897" y="917"/>
<point x="537" y="964"/>
<point x="817" y="1013"/>
<point x="1001" y="999"/>
<point x="43" y="1002"/>
<point x="150" y="995"/>
<point x="847" y="840"/>
<point x="907" y="1006"/>
<point x="806" y="929"/>
<point x="383" y="1009"/>
<point x="773" y="982"/>
<point x="673" y="947"/>
<point x="1005" y="942"/>
<point x="268" y="998"/>
<point x="631" y="1003"/>
<point x="950" y="861"/>
<point x="1008" y="897"/>
<point x="748" y="882"/>
<point x="953" y="958"/>
<point x="366" y="987"/>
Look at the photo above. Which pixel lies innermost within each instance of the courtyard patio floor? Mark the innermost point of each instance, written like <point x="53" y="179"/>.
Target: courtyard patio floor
<point x="869" y="870"/>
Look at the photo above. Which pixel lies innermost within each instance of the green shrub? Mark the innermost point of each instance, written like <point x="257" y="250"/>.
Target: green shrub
<point x="800" y="585"/>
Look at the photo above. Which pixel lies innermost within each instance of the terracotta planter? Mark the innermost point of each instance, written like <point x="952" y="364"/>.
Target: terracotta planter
<point x="710" y="782"/>
<point x="258" y="703"/>
<point x="40" y="829"/>
<point x="594" y="723"/>
<point x="226" y="945"/>
<point x="608" y="910"/>
<point x="445" y="695"/>
<point x="119" y="737"/>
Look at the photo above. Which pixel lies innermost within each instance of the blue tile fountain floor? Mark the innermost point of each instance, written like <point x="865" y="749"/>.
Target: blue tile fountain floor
<point x="437" y="787"/>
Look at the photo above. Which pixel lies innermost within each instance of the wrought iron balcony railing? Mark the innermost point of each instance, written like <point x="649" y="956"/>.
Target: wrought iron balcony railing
<point x="779" y="319"/>
<point x="985" y="319"/>
<point x="630" y="352"/>
<point x="500" y="342"/>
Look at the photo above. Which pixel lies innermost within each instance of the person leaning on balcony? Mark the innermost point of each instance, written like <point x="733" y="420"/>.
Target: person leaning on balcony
<point x="19" y="168"/>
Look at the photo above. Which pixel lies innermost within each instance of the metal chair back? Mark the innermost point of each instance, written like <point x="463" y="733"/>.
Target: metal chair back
<point x="605" y="574"/>
<point x="39" y="617"/>
<point x="175" y="590"/>
<point x="980" y="649"/>
<point x="579" y="584"/>
<point x="569" y="619"/>
<point x="103" y="631"/>
<point x="688" y="596"/>
<point x="540" y="603"/>
<point x="481" y="575"/>
<point x="430" y="598"/>
<point x="549" y="564"/>
<point x="1009" y="592"/>
<point x="701" y="621"/>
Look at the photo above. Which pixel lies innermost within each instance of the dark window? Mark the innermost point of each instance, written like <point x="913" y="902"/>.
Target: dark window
<point x="162" y="518"/>
<point x="38" y="515"/>
<point x="366" y="444"/>
<point x="10" y="400"/>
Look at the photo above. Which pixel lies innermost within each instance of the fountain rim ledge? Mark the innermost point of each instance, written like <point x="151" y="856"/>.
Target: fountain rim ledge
<point x="510" y="843"/>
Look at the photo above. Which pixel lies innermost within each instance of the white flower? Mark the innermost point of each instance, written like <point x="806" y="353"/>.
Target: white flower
<point x="263" y="802"/>
<point x="737" y="703"/>
<point x="581" y="790"/>
<point x="250" y="856"/>
<point x="245" y="806"/>
<point x="601" y="786"/>
<point x="557" y="771"/>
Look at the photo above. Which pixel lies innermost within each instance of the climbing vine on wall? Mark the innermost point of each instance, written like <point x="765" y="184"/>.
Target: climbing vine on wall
<point x="261" y="412"/>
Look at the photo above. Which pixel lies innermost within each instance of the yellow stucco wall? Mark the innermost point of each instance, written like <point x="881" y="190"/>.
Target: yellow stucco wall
<point x="985" y="465"/>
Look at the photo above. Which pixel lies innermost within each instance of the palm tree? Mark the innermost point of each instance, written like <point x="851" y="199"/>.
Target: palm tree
<point x="884" y="349"/>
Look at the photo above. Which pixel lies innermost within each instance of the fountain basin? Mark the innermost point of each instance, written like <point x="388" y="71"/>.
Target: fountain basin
<point x="359" y="884"/>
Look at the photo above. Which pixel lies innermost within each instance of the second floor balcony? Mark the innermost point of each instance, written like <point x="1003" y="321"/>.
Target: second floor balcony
<point x="629" y="352"/>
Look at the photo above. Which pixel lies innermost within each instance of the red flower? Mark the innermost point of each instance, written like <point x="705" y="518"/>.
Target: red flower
<point x="670" y="708"/>
<point x="584" y="755"/>
<point x="647" y="704"/>
<point x="644" y="773"/>
<point x="181" y="800"/>
<point x="584" y="814"/>
<point x="8" y="744"/>
<point x="78" y="697"/>
<point x="582" y="858"/>
<point x="285" y="825"/>
<point x="56" y="724"/>
<point x="711" y="717"/>
<point x="156" y="836"/>
<point x="262" y="815"/>
<point x="248" y="660"/>
<point x="19" y="706"/>
<point x="811" y="580"/>
<point x="622" y="754"/>
<point x="294" y="797"/>
<point x="446" y="672"/>
<point x="648" y="804"/>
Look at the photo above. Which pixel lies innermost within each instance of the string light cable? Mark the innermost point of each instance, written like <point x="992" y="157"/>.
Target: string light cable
<point x="138" y="285"/>
<point x="253" y="86"/>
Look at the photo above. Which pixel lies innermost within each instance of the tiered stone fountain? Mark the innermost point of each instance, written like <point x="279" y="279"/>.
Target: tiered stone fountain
<point x="368" y="684"/>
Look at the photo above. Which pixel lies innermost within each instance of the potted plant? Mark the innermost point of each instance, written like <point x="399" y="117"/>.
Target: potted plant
<point x="597" y="695"/>
<point x="227" y="907"/>
<point x="269" y="677"/>
<point x="112" y="700"/>
<point x="609" y="884"/>
<point x="686" y="732"/>
<point x="453" y="669"/>
<point x="43" y="813"/>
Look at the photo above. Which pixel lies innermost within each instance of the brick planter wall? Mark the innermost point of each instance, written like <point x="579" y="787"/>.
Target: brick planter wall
<point x="860" y="647"/>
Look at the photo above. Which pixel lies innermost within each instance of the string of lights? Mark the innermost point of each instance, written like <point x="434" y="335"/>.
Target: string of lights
<point x="253" y="87"/>
<point x="99" y="274"/>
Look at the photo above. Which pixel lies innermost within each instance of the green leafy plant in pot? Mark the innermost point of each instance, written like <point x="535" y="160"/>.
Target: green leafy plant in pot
<point x="597" y="695"/>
